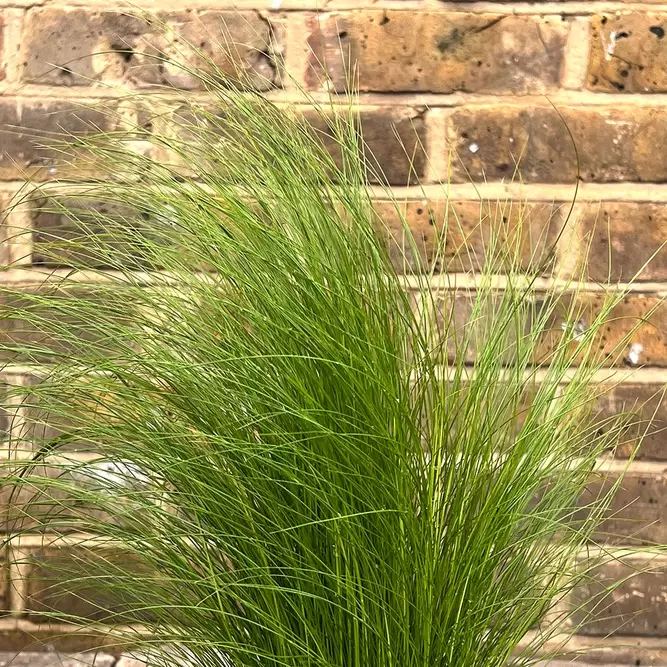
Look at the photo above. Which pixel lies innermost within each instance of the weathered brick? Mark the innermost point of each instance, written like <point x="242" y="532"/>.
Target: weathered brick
<point x="628" y="52"/>
<point x="41" y="424"/>
<point x="635" y="332"/>
<point x="626" y="651"/>
<point x="643" y="316"/>
<point x="648" y="405"/>
<point x="40" y="505"/>
<point x="441" y="52"/>
<point x="71" y="231"/>
<point x="638" y="512"/>
<point x="396" y="140"/>
<point x="465" y="228"/>
<point x="7" y="412"/>
<point x="52" y="585"/>
<point x="32" y="124"/>
<point x="31" y="334"/>
<point x="614" y="144"/>
<point x="465" y="320"/>
<point x="79" y="46"/>
<point x="3" y="63"/>
<point x="623" y="238"/>
<point x="53" y="659"/>
<point x="49" y="638"/>
<point x="4" y="582"/>
<point x="637" y="606"/>
<point x="5" y="232"/>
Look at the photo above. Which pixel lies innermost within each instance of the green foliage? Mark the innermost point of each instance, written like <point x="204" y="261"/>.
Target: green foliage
<point x="307" y="462"/>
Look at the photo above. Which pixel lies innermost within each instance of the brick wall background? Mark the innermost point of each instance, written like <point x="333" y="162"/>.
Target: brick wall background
<point x="497" y="82"/>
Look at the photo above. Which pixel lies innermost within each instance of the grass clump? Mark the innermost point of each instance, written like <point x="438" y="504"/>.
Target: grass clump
<point x="308" y="458"/>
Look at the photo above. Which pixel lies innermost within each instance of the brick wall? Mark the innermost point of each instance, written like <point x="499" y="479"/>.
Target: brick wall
<point x="497" y="82"/>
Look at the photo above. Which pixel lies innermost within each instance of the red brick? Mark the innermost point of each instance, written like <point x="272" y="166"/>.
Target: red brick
<point x="80" y="46"/>
<point x="628" y="53"/>
<point x="42" y="505"/>
<point x="30" y="334"/>
<point x="4" y="583"/>
<point x="71" y="231"/>
<point x="41" y="425"/>
<point x="638" y="606"/>
<point x="460" y="318"/>
<point x="7" y="412"/>
<point x="614" y="144"/>
<point x="32" y="124"/>
<point x="52" y="587"/>
<point x="626" y="236"/>
<point x="648" y="404"/>
<point x="395" y="140"/>
<point x="3" y="71"/>
<point x="638" y="512"/>
<point x="5" y="232"/>
<point x="642" y="316"/>
<point x="48" y="638"/>
<point x="32" y="658"/>
<point x="441" y="52"/>
<point x="468" y="227"/>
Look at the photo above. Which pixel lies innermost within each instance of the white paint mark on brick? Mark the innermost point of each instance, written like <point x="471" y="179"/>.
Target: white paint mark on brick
<point x="635" y="351"/>
<point x="611" y="47"/>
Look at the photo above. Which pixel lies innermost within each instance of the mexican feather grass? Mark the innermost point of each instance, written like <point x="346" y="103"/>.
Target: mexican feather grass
<point x="305" y="457"/>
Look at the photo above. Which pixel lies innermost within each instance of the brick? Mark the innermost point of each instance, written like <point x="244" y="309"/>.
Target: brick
<point x="638" y="512"/>
<point x="32" y="124"/>
<point x="648" y="403"/>
<point x="5" y="232"/>
<point x="623" y="237"/>
<point x="394" y="141"/>
<point x="643" y="316"/>
<point x="614" y="144"/>
<point x="70" y="231"/>
<point x="25" y="636"/>
<point x="441" y="52"/>
<point x="29" y="335"/>
<point x="87" y="46"/>
<point x="568" y="663"/>
<point x="6" y="413"/>
<point x="131" y="660"/>
<point x="52" y="498"/>
<point x="628" y="53"/>
<point x="41" y="424"/>
<point x="3" y="60"/>
<point x="458" y="317"/>
<point x="638" y="606"/>
<point x="35" y="505"/>
<point x="451" y="314"/>
<point x="53" y="659"/>
<point x="468" y="227"/>
<point x="628" y="652"/>
<point x="52" y="585"/>
<point x="4" y="583"/>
